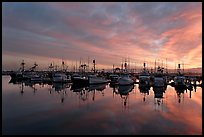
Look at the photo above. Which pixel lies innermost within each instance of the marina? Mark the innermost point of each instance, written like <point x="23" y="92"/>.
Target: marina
<point x="122" y="77"/>
<point x="106" y="68"/>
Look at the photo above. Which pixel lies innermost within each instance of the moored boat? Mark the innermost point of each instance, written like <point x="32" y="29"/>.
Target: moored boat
<point x="125" y="80"/>
<point x="60" y="77"/>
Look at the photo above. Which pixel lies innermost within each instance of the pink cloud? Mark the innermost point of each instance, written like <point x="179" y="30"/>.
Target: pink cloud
<point x="103" y="33"/>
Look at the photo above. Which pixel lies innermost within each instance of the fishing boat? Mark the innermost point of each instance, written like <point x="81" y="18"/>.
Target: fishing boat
<point x="60" y="77"/>
<point x="179" y="79"/>
<point x="144" y="78"/>
<point x="125" y="80"/>
<point x="158" y="79"/>
<point x="114" y="78"/>
<point x="79" y="80"/>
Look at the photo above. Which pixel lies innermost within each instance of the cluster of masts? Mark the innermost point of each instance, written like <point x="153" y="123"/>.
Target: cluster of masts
<point x="82" y="67"/>
<point x="160" y="70"/>
<point x="125" y="67"/>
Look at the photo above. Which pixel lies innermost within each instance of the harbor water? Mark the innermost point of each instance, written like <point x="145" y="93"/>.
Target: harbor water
<point x="61" y="109"/>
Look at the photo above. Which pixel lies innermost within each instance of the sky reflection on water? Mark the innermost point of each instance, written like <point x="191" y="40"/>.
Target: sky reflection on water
<point x="41" y="109"/>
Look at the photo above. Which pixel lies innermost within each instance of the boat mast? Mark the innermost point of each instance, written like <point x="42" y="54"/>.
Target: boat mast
<point x="23" y="65"/>
<point x="125" y="65"/>
<point x="94" y="62"/>
<point x="144" y="66"/>
<point x="62" y="65"/>
<point x="179" y="66"/>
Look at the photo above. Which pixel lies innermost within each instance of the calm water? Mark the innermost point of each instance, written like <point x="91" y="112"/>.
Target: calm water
<point x="58" y="109"/>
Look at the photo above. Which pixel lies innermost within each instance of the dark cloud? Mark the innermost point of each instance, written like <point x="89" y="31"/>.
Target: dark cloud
<point x="153" y="13"/>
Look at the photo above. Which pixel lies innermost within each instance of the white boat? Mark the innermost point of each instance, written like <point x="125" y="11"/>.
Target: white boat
<point x="93" y="79"/>
<point x="125" y="80"/>
<point x="60" y="77"/>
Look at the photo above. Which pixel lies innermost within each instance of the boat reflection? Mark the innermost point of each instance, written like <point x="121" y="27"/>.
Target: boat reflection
<point x="80" y="90"/>
<point x="15" y="81"/>
<point x="158" y="95"/>
<point x="144" y="90"/>
<point x="124" y="92"/>
<point x="179" y="92"/>
<point x="90" y="91"/>
<point x="83" y="90"/>
<point x="78" y="87"/>
<point x="98" y="87"/>
<point x="60" y="86"/>
<point x="125" y="112"/>
<point x="114" y="87"/>
<point x="22" y="84"/>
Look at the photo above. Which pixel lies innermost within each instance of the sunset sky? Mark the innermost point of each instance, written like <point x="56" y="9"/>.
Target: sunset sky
<point x="107" y="32"/>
